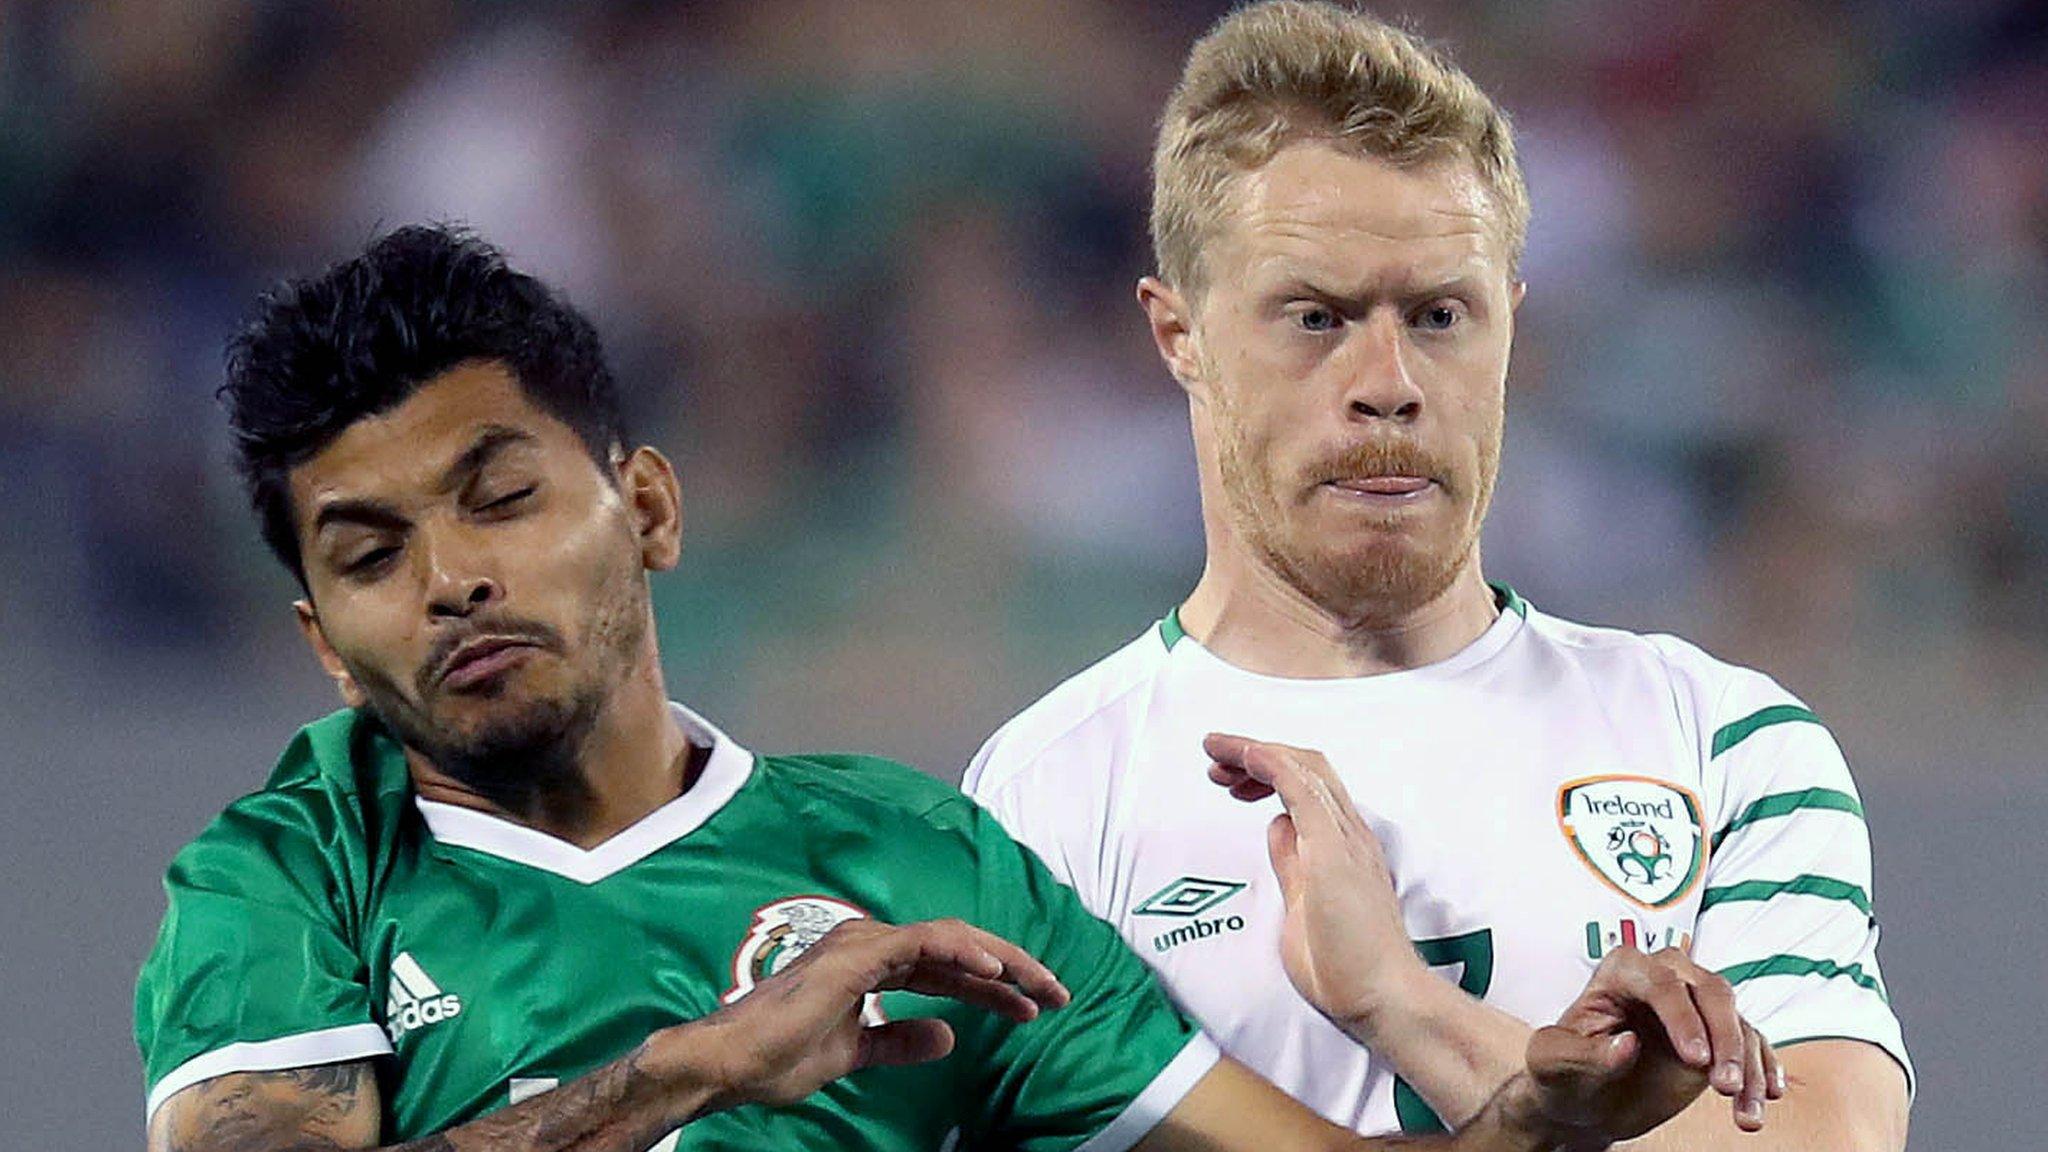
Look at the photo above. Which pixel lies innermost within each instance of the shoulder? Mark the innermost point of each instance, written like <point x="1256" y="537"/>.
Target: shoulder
<point x="1088" y="709"/>
<point x="336" y="787"/>
<point x="1704" y="688"/>
<point x="880" y="796"/>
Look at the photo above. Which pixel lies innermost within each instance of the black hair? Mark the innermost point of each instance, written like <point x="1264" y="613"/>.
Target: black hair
<point x="360" y="337"/>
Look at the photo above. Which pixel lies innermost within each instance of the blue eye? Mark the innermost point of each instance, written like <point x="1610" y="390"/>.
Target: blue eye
<point x="1316" y="319"/>
<point x="1439" y="317"/>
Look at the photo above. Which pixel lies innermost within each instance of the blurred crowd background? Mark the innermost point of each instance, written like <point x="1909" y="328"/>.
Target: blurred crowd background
<point x="865" y="269"/>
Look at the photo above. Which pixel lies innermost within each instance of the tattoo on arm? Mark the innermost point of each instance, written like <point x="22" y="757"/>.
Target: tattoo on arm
<point x="323" y="1108"/>
<point x="336" y="1108"/>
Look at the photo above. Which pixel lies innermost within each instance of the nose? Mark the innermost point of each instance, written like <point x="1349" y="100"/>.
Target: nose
<point x="1379" y="385"/>
<point x="456" y="590"/>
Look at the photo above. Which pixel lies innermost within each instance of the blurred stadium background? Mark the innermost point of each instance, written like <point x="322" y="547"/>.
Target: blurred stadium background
<point x="866" y="269"/>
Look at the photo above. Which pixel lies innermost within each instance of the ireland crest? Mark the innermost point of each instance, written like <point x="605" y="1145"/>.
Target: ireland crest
<point x="1642" y="836"/>
<point x="783" y="931"/>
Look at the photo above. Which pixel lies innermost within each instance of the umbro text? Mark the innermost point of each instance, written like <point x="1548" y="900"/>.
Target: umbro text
<point x="1197" y="930"/>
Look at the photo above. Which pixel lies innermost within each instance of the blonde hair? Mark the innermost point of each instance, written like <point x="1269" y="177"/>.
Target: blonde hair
<point x="1281" y="71"/>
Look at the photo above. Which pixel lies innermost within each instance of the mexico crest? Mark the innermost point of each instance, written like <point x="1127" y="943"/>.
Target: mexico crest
<point x="1640" y="835"/>
<point x="783" y="931"/>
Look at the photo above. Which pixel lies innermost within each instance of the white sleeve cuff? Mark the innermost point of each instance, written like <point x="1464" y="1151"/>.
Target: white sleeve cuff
<point x="327" y="1046"/>
<point x="1160" y="1097"/>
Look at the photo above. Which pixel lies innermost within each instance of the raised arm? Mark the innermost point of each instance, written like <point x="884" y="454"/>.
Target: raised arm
<point x="1607" y="1071"/>
<point x="1347" y="952"/>
<point x="797" y="1031"/>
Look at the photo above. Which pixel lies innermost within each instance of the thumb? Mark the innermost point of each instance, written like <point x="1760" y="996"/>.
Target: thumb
<point x="1284" y="846"/>
<point x="903" y="1042"/>
<point x="1561" y="1058"/>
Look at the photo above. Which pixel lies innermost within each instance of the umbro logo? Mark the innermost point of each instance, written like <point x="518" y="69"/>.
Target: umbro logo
<point x="1186" y="899"/>
<point x="1188" y="896"/>
<point x="414" y="1000"/>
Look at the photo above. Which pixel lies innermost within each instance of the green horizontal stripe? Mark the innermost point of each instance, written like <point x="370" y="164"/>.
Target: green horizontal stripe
<point x="1807" y="885"/>
<point x="1735" y="733"/>
<point x="1784" y="965"/>
<point x="1786" y="803"/>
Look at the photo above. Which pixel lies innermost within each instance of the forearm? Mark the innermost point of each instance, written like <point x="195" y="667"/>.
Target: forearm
<point x="1454" y="1050"/>
<point x="625" y="1106"/>
<point x="1841" y="1096"/>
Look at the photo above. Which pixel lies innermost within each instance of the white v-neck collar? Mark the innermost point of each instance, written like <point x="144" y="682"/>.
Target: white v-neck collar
<point x="724" y="773"/>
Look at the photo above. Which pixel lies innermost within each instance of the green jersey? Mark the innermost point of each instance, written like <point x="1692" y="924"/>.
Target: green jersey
<point x="336" y="916"/>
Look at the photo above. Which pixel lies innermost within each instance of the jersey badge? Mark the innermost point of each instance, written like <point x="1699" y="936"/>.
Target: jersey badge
<point x="784" y="930"/>
<point x="1186" y="899"/>
<point x="1641" y="836"/>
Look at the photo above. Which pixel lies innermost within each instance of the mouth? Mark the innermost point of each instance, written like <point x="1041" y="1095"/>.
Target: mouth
<point x="480" y="661"/>
<point x="1383" y="491"/>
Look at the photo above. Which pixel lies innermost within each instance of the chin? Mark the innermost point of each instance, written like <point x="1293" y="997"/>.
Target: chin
<point x="1384" y="577"/>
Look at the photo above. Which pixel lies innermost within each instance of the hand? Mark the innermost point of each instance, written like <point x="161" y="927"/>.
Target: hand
<point x="1342" y="940"/>
<point x="1646" y="1037"/>
<point x="801" y="1028"/>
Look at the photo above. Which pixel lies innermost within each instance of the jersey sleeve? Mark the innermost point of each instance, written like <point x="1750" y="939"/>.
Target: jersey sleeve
<point x="999" y="779"/>
<point x="253" y="968"/>
<point x="1101" y="1072"/>
<point x="1787" y="915"/>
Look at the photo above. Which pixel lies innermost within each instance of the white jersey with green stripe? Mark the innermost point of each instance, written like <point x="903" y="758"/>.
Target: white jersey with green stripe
<point x="336" y="916"/>
<point x="1546" y="795"/>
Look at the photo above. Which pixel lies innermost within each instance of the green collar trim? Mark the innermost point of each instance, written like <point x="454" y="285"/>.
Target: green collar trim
<point x="1508" y="600"/>
<point x="1170" y="631"/>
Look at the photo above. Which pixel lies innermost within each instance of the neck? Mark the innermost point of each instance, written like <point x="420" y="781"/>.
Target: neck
<point x="634" y="759"/>
<point x="1250" y="617"/>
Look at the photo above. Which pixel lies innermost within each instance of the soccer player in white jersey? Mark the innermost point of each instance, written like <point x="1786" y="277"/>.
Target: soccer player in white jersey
<point x="1337" y="217"/>
<point x="513" y="898"/>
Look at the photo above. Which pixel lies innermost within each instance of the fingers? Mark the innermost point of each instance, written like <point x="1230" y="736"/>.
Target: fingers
<point x="1240" y="783"/>
<point x="1308" y="786"/>
<point x="1284" y="847"/>
<point x="928" y="979"/>
<point x="903" y="1042"/>
<point x="1749" y="1099"/>
<point x="1571" y="1068"/>
<point x="1727" y="1034"/>
<point x="1701" y="1023"/>
<point x="1667" y="995"/>
<point x="1774" y="1073"/>
<point x="955" y="959"/>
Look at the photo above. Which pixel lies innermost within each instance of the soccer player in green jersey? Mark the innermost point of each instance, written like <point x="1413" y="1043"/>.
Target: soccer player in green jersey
<point x="513" y="898"/>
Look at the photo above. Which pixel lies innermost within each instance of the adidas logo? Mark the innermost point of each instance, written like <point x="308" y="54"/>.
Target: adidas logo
<point x="415" y="1001"/>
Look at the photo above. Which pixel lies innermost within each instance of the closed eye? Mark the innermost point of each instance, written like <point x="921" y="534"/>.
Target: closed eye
<point x="370" y="562"/>
<point x="508" y="501"/>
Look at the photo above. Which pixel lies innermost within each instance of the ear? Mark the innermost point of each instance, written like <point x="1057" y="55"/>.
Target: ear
<point x="330" y="661"/>
<point x="1516" y="291"/>
<point x="1173" y="330"/>
<point x="655" y="499"/>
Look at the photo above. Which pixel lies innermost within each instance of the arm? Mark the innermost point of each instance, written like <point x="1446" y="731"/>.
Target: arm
<point x="1839" y="1096"/>
<point x="624" y="1106"/>
<point x="1233" y="1109"/>
<point x="1345" y="948"/>
<point x="794" y="1033"/>
<point x="1597" y="1076"/>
